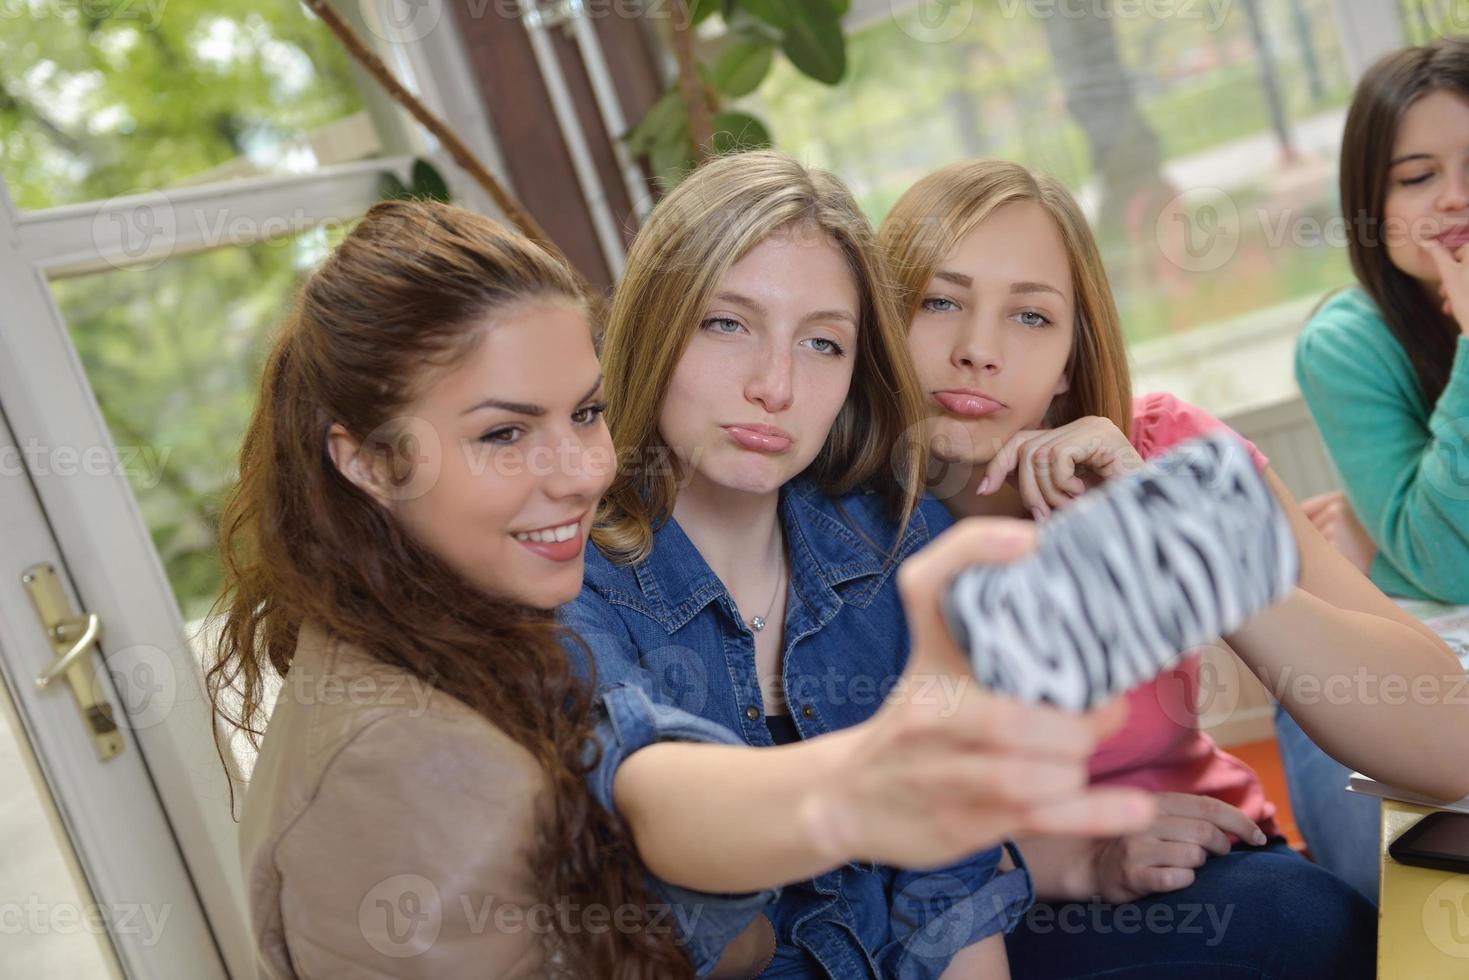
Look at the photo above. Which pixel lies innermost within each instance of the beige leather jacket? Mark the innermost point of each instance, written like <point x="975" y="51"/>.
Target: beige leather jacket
<point x="386" y="830"/>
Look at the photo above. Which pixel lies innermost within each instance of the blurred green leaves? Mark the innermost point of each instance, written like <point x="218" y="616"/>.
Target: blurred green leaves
<point x="808" y="33"/>
<point x="428" y="184"/>
<point x="113" y="97"/>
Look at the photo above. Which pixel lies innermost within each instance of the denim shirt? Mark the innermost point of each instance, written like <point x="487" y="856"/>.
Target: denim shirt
<point x="668" y="629"/>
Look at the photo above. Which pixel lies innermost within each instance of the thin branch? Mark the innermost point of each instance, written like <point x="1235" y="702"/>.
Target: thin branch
<point x="701" y="126"/>
<point x="461" y="154"/>
<point x="9" y="101"/>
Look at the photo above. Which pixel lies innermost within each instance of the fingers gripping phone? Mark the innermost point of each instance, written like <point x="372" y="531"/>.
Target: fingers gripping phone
<point x="1128" y="578"/>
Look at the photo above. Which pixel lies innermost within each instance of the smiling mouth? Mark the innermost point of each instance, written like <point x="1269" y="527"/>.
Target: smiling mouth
<point x="560" y="543"/>
<point x="551" y="535"/>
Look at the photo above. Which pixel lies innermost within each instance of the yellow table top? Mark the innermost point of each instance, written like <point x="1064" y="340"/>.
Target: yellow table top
<point x="1423" y="925"/>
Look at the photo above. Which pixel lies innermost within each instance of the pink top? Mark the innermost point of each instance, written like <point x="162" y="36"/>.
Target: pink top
<point x="1160" y="748"/>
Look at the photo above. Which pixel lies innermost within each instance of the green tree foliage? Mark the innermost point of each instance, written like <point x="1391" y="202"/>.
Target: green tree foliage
<point x="105" y="97"/>
<point x="808" y="33"/>
<point x="100" y="98"/>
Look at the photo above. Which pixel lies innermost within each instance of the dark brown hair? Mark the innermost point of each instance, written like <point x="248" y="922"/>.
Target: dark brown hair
<point x="408" y="290"/>
<point x="1384" y="94"/>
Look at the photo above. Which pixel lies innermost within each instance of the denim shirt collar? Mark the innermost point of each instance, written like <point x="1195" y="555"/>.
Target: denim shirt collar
<point x="839" y="551"/>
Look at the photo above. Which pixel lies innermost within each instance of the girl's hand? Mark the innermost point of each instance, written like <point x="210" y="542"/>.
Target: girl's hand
<point x="1163" y="857"/>
<point x="1334" y="518"/>
<point x="1052" y="467"/>
<point x="1453" y="282"/>
<point x="945" y="768"/>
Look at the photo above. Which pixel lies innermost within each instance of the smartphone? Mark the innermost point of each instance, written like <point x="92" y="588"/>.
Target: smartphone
<point x="1128" y="578"/>
<point x="1440" y="840"/>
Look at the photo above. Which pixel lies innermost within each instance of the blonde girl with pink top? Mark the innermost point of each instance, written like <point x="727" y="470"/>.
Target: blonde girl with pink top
<point x="1019" y="351"/>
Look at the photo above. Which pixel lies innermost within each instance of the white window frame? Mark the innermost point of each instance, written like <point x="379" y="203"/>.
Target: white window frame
<point x="103" y="540"/>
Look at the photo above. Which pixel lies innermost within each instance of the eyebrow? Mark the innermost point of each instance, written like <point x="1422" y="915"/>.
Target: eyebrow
<point x="960" y="279"/>
<point x="1035" y="287"/>
<point x="756" y="307"/>
<point x="524" y="408"/>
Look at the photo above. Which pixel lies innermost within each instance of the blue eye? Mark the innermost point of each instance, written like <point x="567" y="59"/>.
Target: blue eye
<point x="827" y="346"/>
<point x="1040" y="319"/>
<point x="939" y="304"/>
<point x="721" y="325"/>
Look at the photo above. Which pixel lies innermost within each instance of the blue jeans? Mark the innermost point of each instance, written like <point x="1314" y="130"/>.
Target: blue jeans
<point x="1257" y="912"/>
<point x="1340" y="828"/>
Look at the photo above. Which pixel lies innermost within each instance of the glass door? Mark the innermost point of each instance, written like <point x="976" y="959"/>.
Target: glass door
<point x="167" y="173"/>
<point x="92" y="884"/>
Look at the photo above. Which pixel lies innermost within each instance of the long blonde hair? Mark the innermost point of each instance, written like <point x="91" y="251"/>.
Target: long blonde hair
<point x="674" y="267"/>
<point x="935" y="215"/>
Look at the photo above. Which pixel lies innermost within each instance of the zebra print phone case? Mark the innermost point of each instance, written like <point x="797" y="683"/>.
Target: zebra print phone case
<point x="1128" y="578"/>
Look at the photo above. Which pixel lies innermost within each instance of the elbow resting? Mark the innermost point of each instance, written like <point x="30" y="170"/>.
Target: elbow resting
<point x="1455" y="787"/>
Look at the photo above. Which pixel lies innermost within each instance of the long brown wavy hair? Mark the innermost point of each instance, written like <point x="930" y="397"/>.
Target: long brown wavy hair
<point x="406" y="290"/>
<point x="1385" y="93"/>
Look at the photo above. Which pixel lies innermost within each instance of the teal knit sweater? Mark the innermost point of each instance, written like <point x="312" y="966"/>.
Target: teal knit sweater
<point x="1404" y="463"/>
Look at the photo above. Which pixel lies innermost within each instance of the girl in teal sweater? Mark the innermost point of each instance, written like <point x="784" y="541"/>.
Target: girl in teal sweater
<point x="1384" y="367"/>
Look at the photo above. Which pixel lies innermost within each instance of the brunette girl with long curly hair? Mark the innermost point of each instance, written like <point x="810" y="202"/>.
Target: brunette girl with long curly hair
<point x="386" y="554"/>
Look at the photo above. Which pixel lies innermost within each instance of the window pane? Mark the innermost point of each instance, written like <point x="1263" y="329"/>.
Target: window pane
<point x="43" y="882"/>
<point x="1429" y="20"/>
<point x="1202" y="144"/>
<point x="114" y="97"/>
<point x="173" y="354"/>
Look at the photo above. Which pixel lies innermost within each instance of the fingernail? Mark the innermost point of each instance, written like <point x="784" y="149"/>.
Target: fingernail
<point x="1036" y="513"/>
<point x="1259" y="838"/>
<point x="984" y="485"/>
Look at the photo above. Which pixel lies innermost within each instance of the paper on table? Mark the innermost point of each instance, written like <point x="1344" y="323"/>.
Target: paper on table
<point x="1359" y="783"/>
<point x="1449" y="622"/>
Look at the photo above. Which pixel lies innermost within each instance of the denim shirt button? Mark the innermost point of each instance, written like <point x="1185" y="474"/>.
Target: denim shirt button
<point x="807" y="711"/>
<point x="752" y="713"/>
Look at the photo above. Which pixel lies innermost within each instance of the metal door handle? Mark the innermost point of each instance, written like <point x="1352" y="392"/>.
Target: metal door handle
<point x="72" y="637"/>
<point x="91" y="629"/>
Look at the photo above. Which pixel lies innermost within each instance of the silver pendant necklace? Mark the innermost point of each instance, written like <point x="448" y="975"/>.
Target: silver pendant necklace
<point x="757" y="623"/>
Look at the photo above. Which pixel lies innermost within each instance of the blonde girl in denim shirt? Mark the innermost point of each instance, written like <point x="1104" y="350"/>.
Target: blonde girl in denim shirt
<point x="744" y="568"/>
